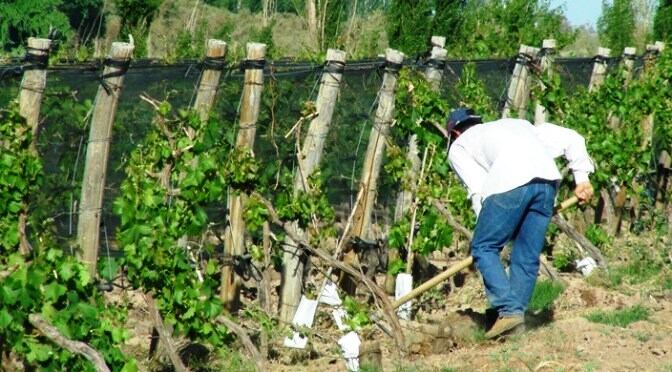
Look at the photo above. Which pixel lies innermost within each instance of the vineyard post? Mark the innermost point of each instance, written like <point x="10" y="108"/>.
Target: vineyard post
<point x="519" y="92"/>
<point x="234" y="244"/>
<point x="213" y="65"/>
<point x="652" y="52"/>
<point x="434" y="75"/>
<point x="547" y="55"/>
<point x="629" y="55"/>
<point x="33" y="84"/>
<point x="30" y="99"/>
<point x="628" y="61"/>
<point x="97" y="153"/>
<point x="373" y="160"/>
<point x="309" y="159"/>
<point x="437" y="41"/>
<point x="599" y="68"/>
<point x="208" y="85"/>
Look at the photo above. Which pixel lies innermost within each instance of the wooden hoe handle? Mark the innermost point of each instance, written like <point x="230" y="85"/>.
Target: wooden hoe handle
<point x="436" y="280"/>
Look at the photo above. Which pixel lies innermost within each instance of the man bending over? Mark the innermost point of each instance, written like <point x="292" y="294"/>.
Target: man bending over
<point x="509" y="171"/>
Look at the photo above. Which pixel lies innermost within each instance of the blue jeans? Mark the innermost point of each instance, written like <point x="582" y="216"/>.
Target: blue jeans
<point x="521" y="215"/>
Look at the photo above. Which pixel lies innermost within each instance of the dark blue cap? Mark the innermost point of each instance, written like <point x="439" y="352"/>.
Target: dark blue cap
<point x="462" y="115"/>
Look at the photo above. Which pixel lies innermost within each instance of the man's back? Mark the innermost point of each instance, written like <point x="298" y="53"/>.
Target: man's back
<point x="507" y="153"/>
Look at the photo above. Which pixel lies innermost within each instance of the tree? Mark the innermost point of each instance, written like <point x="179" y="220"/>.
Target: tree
<point x="662" y="22"/>
<point x="408" y="25"/>
<point x="22" y="19"/>
<point x="475" y="28"/>
<point x="616" y="25"/>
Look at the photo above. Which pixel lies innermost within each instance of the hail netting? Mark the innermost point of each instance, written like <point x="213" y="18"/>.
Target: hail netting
<point x="71" y="90"/>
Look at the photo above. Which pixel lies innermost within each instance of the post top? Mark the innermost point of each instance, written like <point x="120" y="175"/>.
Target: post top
<point x="549" y="44"/>
<point x="438" y="53"/>
<point x="216" y="48"/>
<point x="660" y="45"/>
<point x="336" y="55"/>
<point x="121" y="50"/>
<point x="39" y="43"/>
<point x="526" y="49"/>
<point x="438" y="41"/>
<point x="256" y="51"/>
<point x="603" y="52"/>
<point x="629" y="51"/>
<point x="394" y="55"/>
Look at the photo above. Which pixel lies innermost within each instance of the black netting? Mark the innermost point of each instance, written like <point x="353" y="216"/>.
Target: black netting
<point x="71" y="90"/>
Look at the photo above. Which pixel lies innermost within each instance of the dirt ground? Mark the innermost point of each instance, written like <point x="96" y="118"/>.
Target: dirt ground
<point x="562" y="341"/>
<point x="558" y="340"/>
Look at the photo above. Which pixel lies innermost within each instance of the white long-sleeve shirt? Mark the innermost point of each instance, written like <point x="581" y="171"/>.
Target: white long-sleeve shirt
<point x="499" y="156"/>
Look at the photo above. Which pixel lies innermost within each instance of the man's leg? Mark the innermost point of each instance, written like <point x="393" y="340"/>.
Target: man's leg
<point x="528" y="243"/>
<point x="498" y="220"/>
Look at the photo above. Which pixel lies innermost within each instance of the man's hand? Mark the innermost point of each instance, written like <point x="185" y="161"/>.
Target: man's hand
<point x="584" y="191"/>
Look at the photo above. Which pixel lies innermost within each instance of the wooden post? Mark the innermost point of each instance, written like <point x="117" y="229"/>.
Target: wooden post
<point x="629" y="54"/>
<point x="546" y="65"/>
<point x="309" y="159"/>
<point x="234" y="243"/>
<point x="434" y="74"/>
<point x="30" y="99"/>
<point x="209" y="84"/>
<point x="33" y="84"/>
<point x="437" y="41"/>
<point x="650" y="55"/>
<point x="519" y="91"/>
<point x="374" y="158"/>
<point x="97" y="152"/>
<point x="599" y="68"/>
<point x="652" y="52"/>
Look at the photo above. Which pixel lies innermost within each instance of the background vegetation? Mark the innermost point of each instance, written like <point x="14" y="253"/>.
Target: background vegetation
<point x="178" y="28"/>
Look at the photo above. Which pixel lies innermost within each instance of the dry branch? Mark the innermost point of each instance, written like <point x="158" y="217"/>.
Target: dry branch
<point x="378" y="292"/>
<point x="76" y="347"/>
<point x="259" y="360"/>
<point x="164" y="335"/>
<point x="570" y="231"/>
<point x="450" y="219"/>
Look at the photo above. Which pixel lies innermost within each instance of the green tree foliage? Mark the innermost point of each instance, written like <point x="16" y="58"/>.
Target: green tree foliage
<point x="21" y="19"/>
<point x="662" y="22"/>
<point x="134" y="12"/>
<point x="616" y="26"/>
<point x="496" y="28"/>
<point x="475" y="28"/>
<point x="408" y="25"/>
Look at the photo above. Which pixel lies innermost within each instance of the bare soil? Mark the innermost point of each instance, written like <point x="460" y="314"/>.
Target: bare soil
<point x="558" y="340"/>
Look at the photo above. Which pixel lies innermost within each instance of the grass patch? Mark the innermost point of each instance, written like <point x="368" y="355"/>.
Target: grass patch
<point x="620" y="318"/>
<point x="478" y="335"/>
<point x="667" y="282"/>
<point x="545" y="293"/>
<point x="634" y="273"/>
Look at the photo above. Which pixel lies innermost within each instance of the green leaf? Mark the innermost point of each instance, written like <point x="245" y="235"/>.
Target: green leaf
<point x="5" y="318"/>
<point x="53" y="291"/>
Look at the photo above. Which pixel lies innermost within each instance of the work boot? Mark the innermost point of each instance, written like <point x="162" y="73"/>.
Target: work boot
<point x="504" y="324"/>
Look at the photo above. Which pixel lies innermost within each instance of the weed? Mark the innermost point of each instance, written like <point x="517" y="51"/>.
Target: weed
<point x="590" y="367"/>
<point x="598" y="236"/>
<point x="642" y="336"/>
<point x="448" y="369"/>
<point x="478" y="335"/>
<point x="636" y="272"/>
<point x="667" y="282"/>
<point x="545" y="293"/>
<point x="620" y="318"/>
<point x="368" y="368"/>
